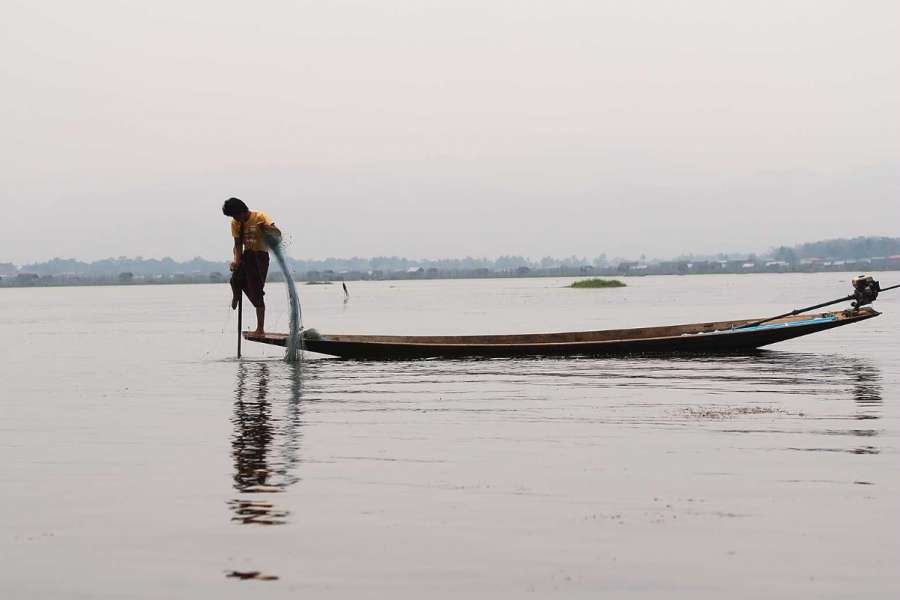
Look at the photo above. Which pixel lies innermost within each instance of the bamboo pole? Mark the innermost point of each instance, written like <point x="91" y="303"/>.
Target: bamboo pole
<point x="240" y="319"/>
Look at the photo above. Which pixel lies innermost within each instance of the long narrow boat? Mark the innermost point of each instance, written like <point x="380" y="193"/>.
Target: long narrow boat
<point x="703" y="338"/>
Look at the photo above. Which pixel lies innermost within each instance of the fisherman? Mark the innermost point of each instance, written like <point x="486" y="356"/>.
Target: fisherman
<point x="250" y="230"/>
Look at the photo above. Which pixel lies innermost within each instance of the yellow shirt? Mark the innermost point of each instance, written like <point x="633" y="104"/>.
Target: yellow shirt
<point x="252" y="238"/>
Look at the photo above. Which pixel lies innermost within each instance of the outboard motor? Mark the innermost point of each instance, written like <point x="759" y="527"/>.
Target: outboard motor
<point x="865" y="290"/>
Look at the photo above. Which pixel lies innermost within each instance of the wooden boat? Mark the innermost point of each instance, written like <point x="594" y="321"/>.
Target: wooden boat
<point x="703" y="338"/>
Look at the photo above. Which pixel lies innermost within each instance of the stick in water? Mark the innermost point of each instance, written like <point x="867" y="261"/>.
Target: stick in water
<point x="240" y="318"/>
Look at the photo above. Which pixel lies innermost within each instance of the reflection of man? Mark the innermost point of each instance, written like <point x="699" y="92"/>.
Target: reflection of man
<point x="250" y="267"/>
<point x="253" y="430"/>
<point x="252" y="451"/>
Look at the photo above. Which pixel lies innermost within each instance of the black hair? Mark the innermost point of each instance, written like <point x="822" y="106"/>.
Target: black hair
<point x="234" y="207"/>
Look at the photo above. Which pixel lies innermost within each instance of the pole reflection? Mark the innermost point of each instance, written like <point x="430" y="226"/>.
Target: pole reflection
<point x="866" y="382"/>
<point x="266" y="440"/>
<point x="867" y="389"/>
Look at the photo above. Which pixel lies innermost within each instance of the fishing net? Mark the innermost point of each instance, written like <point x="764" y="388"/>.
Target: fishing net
<point x="294" y="344"/>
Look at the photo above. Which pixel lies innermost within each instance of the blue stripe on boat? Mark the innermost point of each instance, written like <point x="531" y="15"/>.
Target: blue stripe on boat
<point x="815" y="321"/>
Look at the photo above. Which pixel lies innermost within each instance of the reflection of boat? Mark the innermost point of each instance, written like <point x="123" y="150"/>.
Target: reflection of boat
<point x="723" y="336"/>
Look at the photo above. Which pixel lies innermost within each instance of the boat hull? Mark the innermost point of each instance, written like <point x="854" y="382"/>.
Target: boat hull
<point x="696" y="338"/>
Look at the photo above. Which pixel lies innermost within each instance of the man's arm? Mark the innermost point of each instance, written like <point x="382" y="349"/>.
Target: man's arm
<point x="238" y="250"/>
<point x="270" y="231"/>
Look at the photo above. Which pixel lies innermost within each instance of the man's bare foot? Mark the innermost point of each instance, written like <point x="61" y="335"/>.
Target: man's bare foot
<point x="259" y="332"/>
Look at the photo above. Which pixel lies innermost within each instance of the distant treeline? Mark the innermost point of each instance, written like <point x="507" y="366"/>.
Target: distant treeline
<point x="123" y="264"/>
<point x="841" y="249"/>
<point x="822" y="255"/>
<point x="167" y="266"/>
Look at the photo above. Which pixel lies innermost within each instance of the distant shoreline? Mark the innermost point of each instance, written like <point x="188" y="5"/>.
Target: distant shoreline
<point x="276" y="278"/>
<point x="859" y="254"/>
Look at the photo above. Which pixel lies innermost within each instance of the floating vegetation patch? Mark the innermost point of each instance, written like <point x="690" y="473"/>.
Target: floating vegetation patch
<point x="597" y="283"/>
<point x="256" y="575"/>
<point x="724" y="412"/>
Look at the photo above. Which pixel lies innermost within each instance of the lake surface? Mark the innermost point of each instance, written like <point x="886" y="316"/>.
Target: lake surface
<point x="140" y="459"/>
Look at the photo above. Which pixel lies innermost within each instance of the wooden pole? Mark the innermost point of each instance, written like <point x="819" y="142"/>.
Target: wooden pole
<point x="240" y="319"/>
<point x="241" y="281"/>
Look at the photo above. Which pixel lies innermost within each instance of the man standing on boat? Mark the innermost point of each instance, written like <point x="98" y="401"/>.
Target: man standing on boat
<point x="250" y="229"/>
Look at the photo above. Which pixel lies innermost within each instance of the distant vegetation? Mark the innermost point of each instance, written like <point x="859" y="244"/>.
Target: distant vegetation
<point x="597" y="283"/>
<point x="840" y="249"/>
<point x="856" y="254"/>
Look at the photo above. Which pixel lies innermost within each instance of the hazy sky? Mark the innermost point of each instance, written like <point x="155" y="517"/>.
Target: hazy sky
<point x="430" y="129"/>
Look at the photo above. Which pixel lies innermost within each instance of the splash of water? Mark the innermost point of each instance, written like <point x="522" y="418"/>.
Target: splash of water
<point x="294" y="340"/>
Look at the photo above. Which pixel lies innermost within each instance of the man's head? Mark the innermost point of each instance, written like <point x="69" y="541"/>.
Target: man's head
<point x="236" y="209"/>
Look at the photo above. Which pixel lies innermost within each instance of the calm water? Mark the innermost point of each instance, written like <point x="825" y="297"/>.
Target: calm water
<point x="141" y="460"/>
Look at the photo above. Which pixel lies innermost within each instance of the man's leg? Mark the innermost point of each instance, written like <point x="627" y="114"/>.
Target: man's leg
<point x="260" y="319"/>
<point x="237" y="283"/>
<point x="256" y="267"/>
